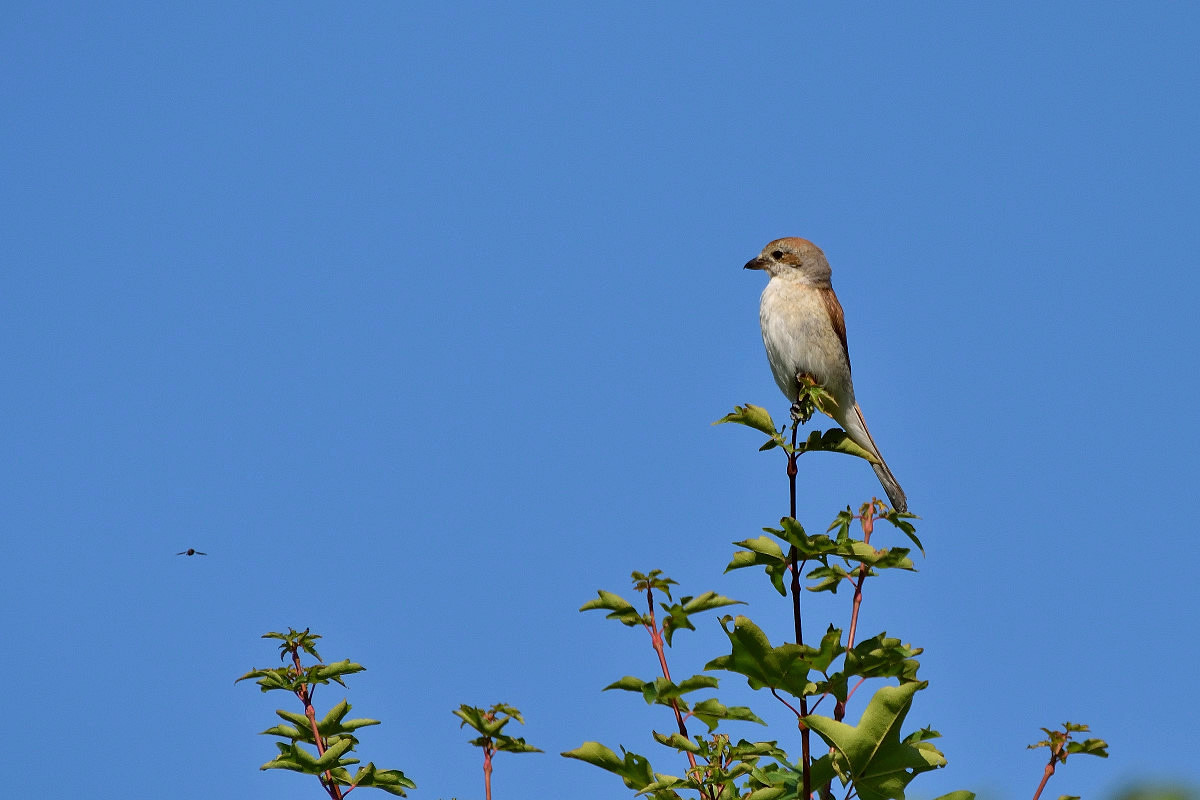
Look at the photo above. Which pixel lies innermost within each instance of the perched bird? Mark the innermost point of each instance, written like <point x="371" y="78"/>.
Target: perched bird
<point x="191" y="551"/>
<point x="805" y="334"/>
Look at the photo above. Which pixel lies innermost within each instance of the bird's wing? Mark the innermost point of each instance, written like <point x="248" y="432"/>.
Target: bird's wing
<point x="836" y="318"/>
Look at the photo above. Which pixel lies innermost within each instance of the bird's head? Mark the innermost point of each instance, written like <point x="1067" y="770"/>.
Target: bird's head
<point x="793" y="259"/>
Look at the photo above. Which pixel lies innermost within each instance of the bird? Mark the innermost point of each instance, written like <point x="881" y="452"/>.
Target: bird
<point x="804" y="331"/>
<point x="191" y="551"/>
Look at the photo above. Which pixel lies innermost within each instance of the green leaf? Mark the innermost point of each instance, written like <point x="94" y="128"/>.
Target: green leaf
<point x="817" y="547"/>
<point x="333" y="723"/>
<point x="629" y="683"/>
<point x="707" y="602"/>
<point x="679" y="614"/>
<point x="770" y="793"/>
<point x="677" y="741"/>
<point x="785" y="667"/>
<point x="788" y="777"/>
<point x="1091" y="747"/>
<point x="922" y="735"/>
<point x="842" y="523"/>
<point x="834" y="440"/>
<point x="333" y="754"/>
<point x="477" y="719"/>
<point x="876" y="760"/>
<point x="391" y="781"/>
<point x="961" y="794"/>
<point x="509" y="744"/>
<point x="751" y="416"/>
<point x="323" y="673"/>
<point x="288" y="732"/>
<point x="712" y="711"/>
<point x="295" y="640"/>
<point x="295" y="758"/>
<point x="269" y="680"/>
<point x="622" y="610"/>
<point x="830" y="648"/>
<point x="661" y="690"/>
<point x="696" y="682"/>
<point x="764" y="552"/>
<point x="863" y="553"/>
<point x="490" y="723"/>
<point x="633" y="769"/>
<point x="883" y="657"/>
<point x="901" y="520"/>
<point x="830" y="578"/>
<point x="653" y="581"/>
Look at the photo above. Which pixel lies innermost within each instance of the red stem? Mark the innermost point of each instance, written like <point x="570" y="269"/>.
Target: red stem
<point x="487" y="772"/>
<point x="1045" y="777"/>
<point x="657" y="639"/>
<point x="330" y="785"/>
<point x="1056" y="748"/>
<point x="868" y="526"/>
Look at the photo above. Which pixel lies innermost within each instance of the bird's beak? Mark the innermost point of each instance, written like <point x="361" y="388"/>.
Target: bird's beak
<point x="756" y="263"/>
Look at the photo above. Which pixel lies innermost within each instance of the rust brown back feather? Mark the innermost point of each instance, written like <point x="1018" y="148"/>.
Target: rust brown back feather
<point x="836" y="318"/>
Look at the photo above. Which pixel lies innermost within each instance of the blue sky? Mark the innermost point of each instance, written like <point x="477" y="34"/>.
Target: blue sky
<point x="415" y="316"/>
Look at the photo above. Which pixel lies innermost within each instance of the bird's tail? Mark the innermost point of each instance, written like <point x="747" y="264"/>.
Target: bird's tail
<point x="856" y="428"/>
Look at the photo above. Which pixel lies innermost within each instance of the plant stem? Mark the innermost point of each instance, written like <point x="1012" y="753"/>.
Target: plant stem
<point x="868" y="526"/>
<point x="330" y="785"/>
<point x="793" y="560"/>
<point x="657" y="640"/>
<point x="1045" y="777"/>
<point x="1056" y="748"/>
<point x="487" y="772"/>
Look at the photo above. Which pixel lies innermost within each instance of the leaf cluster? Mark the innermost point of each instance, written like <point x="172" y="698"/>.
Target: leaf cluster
<point x="1061" y="745"/>
<point x="489" y="724"/>
<point x="837" y="558"/>
<point x="661" y="691"/>
<point x="834" y="440"/>
<point x="676" y="615"/>
<point x="717" y="761"/>
<point x="762" y="767"/>
<point x="332" y="736"/>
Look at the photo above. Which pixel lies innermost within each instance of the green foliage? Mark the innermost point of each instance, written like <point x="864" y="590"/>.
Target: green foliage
<point x="1061" y="745"/>
<point x="834" y="440"/>
<point x="832" y="555"/>
<point x="489" y="724"/>
<point x="717" y="765"/>
<point x="332" y="736"/>
<point x="633" y="769"/>
<point x="663" y="692"/>
<point x="871" y="754"/>
<point x="677" y="616"/>
<point x="785" y="668"/>
<point x="874" y="756"/>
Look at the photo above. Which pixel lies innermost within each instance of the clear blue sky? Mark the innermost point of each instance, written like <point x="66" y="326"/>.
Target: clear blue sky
<point x="415" y="316"/>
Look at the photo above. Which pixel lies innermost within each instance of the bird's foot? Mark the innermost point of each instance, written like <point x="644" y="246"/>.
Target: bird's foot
<point x="802" y="411"/>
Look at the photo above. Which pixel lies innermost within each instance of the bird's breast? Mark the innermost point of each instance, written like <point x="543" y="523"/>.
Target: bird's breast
<point x="799" y="338"/>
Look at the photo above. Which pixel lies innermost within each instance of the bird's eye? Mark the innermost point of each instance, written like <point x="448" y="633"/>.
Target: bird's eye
<point x="776" y="254"/>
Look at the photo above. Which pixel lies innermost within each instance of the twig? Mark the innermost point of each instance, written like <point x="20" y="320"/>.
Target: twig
<point x="657" y="640"/>
<point x="1045" y="777"/>
<point x="330" y="785"/>
<point x="868" y="525"/>
<point x="793" y="559"/>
